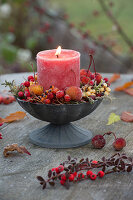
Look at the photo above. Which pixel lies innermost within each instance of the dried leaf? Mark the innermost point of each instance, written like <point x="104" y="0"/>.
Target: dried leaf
<point x="127" y="116"/>
<point x="113" y="118"/>
<point x="14" y="147"/>
<point x="125" y="86"/>
<point x="13" y="117"/>
<point x="25" y="150"/>
<point x="114" y="78"/>
<point x="129" y="91"/>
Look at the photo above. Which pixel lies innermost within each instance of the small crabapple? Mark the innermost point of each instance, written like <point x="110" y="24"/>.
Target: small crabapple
<point x="20" y="94"/>
<point x="26" y="83"/>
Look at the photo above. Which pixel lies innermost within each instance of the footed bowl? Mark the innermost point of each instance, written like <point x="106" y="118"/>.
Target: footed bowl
<point x="60" y="133"/>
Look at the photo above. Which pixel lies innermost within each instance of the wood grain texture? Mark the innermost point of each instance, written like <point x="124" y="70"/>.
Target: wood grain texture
<point x="18" y="172"/>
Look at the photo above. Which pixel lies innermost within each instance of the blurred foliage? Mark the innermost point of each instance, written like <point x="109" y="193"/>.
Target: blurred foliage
<point x="26" y="26"/>
<point x="22" y="24"/>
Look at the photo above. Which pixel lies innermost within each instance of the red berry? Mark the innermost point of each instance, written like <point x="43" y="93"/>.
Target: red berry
<point x="92" y="76"/>
<point x="12" y="98"/>
<point x="20" y="94"/>
<point x="98" y="141"/>
<point x="55" y="90"/>
<point x="53" y="169"/>
<point x="61" y="168"/>
<point x="94" y="162"/>
<point x="101" y="174"/>
<point x="57" y="170"/>
<point x="1" y="124"/>
<point x="119" y="144"/>
<point x="26" y="83"/>
<point x="98" y="78"/>
<point x="99" y="94"/>
<point x="30" y="78"/>
<point x="27" y="93"/>
<point x="88" y="173"/>
<point x="47" y="101"/>
<point x="84" y="79"/>
<point x="91" y="83"/>
<point x="50" y="95"/>
<point x="71" y="177"/>
<point x="106" y="80"/>
<point x="63" y="177"/>
<point x="93" y="176"/>
<point x="59" y="94"/>
<point x="67" y="98"/>
<point x="83" y="72"/>
<point x="93" y="97"/>
<point x="6" y="100"/>
<point x="81" y="175"/>
<point x="75" y="174"/>
<point x="108" y="84"/>
<point x="89" y="73"/>
<point x="1" y="99"/>
<point x="62" y="182"/>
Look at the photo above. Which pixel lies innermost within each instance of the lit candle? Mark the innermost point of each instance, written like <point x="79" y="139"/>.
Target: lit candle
<point x="60" y="68"/>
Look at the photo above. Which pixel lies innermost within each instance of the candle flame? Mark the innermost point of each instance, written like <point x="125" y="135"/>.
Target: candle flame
<point x="58" y="51"/>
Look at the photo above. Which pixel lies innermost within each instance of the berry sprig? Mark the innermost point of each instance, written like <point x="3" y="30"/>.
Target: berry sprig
<point x="70" y="170"/>
<point x="98" y="141"/>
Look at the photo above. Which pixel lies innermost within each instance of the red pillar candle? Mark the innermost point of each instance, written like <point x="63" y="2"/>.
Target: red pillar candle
<point x="61" y="70"/>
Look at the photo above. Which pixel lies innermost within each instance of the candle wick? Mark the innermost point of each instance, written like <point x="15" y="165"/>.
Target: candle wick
<point x="57" y="56"/>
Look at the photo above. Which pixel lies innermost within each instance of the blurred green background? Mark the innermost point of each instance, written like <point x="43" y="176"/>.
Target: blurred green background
<point x="25" y="23"/>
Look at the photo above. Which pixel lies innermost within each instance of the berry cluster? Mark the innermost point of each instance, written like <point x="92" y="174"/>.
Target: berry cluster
<point x="32" y="91"/>
<point x="7" y="99"/>
<point x="99" y="141"/>
<point x="70" y="170"/>
<point x="94" y="86"/>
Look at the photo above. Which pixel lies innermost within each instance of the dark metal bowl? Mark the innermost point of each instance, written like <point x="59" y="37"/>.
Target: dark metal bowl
<point x="60" y="133"/>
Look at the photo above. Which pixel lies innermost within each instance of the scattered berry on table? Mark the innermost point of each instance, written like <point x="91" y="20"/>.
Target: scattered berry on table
<point x="71" y="177"/>
<point x="119" y="144"/>
<point x="101" y="174"/>
<point x="98" y="141"/>
<point x="93" y="176"/>
<point x="88" y="173"/>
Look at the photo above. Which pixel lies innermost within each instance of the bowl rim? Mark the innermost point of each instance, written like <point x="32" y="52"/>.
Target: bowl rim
<point x="51" y="105"/>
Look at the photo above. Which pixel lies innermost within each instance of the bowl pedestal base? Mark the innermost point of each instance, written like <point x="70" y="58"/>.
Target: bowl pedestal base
<point x="60" y="136"/>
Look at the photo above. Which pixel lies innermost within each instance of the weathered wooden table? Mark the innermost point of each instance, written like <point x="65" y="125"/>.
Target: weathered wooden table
<point x="18" y="172"/>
